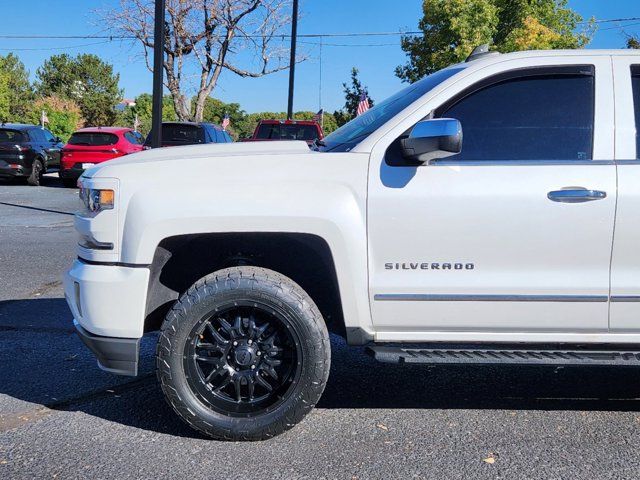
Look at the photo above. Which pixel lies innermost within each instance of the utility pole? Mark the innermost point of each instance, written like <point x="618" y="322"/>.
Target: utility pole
<point x="158" y="59"/>
<point x="292" y="61"/>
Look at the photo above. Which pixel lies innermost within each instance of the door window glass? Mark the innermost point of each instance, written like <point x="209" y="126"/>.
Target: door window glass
<point x="48" y="136"/>
<point x="36" y="135"/>
<point x="533" y="116"/>
<point x="134" y="138"/>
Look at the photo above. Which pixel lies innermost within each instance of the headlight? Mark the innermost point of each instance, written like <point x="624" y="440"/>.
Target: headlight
<point x="96" y="200"/>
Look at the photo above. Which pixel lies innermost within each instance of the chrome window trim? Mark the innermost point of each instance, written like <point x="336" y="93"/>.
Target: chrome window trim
<point x="521" y="163"/>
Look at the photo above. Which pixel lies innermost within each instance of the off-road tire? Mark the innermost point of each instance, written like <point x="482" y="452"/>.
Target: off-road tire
<point x="242" y="284"/>
<point x="37" y="169"/>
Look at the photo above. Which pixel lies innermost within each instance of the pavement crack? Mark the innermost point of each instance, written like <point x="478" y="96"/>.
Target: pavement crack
<point x="35" y="329"/>
<point x="46" y="288"/>
<point x="98" y="394"/>
<point x="48" y="210"/>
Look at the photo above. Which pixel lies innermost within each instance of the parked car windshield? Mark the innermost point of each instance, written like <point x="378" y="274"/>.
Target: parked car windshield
<point x="279" y="131"/>
<point x="7" y="135"/>
<point x="355" y="131"/>
<point x="93" y="139"/>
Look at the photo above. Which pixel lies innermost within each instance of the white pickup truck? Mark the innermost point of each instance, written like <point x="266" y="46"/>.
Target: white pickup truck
<point x="519" y="243"/>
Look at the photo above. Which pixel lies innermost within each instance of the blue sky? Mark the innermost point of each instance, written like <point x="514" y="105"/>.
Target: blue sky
<point x="376" y="63"/>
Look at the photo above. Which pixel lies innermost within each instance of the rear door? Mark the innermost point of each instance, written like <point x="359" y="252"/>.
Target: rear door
<point x="625" y="265"/>
<point x="10" y="143"/>
<point x="486" y="241"/>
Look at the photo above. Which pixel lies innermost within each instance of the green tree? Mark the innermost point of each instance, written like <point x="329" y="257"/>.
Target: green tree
<point x="5" y="97"/>
<point x="142" y="108"/>
<point x="352" y="95"/>
<point x="64" y="115"/>
<point x="633" y="42"/>
<point x="215" y="110"/>
<point x="453" y="28"/>
<point x="85" y="79"/>
<point x="19" y="95"/>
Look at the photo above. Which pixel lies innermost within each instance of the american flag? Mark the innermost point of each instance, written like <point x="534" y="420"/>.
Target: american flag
<point x="363" y="105"/>
<point x="318" y="117"/>
<point x="225" y="121"/>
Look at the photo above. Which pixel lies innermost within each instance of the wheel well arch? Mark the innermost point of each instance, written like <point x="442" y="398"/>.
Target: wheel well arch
<point x="180" y="261"/>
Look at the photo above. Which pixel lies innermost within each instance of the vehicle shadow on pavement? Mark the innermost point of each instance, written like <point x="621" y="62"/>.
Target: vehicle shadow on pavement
<point x="50" y="180"/>
<point x="45" y="364"/>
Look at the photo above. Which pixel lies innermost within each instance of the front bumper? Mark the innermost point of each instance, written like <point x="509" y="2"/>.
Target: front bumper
<point x="108" y="303"/>
<point x="115" y="355"/>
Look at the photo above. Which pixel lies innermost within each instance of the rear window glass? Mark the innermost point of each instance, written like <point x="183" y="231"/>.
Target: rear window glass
<point x="278" y="131"/>
<point x="10" y="135"/>
<point x="93" y="139"/>
<point x="182" y="133"/>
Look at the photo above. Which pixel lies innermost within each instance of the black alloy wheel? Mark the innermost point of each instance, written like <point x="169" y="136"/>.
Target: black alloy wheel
<point x="243" y="359"/>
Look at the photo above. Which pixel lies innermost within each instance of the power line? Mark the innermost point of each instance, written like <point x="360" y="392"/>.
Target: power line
<point x="321" y="43"/>
<point x="53" y="48"/>
<point x="620" y="26"/>
<point x="283" y="35"/>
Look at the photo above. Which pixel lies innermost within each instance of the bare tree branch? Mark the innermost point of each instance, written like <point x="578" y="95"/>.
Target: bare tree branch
<point x="206" y="37"/>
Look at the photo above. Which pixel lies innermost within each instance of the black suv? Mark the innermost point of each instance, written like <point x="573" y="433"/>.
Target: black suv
<point x="27" y="151"/>
<point x="188" y="133"/>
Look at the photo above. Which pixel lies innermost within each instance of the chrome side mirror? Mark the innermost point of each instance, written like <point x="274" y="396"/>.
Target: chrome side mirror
<point x="432" y="140"/>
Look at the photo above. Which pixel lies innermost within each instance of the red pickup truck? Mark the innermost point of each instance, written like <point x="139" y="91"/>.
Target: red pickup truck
<point x="267" y="130"/>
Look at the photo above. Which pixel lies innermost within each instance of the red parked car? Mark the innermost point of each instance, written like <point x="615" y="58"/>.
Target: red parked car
<point x="306" y="130"/>
<point x="89" y="146"/>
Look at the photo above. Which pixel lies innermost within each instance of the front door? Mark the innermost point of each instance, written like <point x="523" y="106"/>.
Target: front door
<point x="513" y="234"/>
<point x="52" y="147"/>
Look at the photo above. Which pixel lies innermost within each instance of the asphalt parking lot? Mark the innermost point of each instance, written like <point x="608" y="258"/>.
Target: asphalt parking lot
<point x="61" y="417"/>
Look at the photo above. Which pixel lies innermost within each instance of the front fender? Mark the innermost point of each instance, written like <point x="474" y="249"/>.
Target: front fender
<point x="332" y="210"/>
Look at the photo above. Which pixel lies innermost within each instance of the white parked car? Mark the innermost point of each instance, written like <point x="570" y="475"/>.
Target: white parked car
<point x="517" y="243"/>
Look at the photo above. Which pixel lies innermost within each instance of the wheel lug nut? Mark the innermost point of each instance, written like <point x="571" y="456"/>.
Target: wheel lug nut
<point x="250" y="342"/>
<point x="259" y="353"/>
<point x="235" y="344"/>
<point x="253" y="367"/>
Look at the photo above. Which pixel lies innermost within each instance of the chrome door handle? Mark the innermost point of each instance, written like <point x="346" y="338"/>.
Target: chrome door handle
<point x="576" y="195"/>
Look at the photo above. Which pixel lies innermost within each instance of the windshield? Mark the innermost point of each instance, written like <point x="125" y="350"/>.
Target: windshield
<point x="352" y="133"/>
<point x="276" y="131"/>
<point x="94" y="139"/>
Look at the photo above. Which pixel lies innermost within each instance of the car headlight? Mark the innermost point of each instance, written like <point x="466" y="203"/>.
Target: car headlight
<point x="95" y="200"/>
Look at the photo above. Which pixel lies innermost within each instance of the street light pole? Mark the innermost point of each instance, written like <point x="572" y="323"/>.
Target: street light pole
<point x="158" y="59"/>
<point x="292" y="61"/>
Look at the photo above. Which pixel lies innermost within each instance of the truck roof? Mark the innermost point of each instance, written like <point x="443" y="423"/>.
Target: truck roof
<point x="272" y="121"/>
<point x="494" y="57"/>
<point x="18" y="126"/>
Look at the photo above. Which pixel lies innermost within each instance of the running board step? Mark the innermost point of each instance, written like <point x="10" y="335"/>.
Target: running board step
<point x="478" y="355"/>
